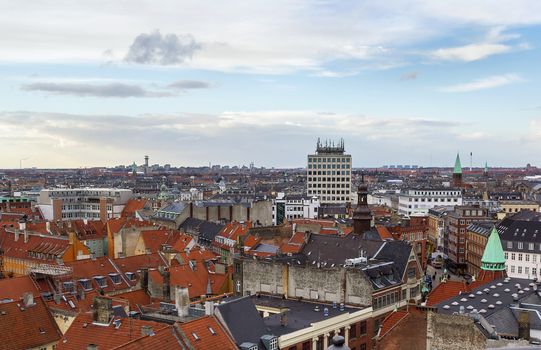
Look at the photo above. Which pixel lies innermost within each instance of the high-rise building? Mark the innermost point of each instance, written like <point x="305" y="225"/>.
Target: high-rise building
<point x="329" y="173"/>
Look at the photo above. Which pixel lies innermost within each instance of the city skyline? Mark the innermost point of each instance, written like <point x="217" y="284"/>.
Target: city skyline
<point x="404" y="82"/>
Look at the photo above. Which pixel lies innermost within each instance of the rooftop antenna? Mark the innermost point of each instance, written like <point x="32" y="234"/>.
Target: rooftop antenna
<point x="471" y="161"/>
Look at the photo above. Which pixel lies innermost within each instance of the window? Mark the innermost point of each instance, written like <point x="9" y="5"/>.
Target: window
<point x="509" y="244"/>
<point x="534" y="271"/>
<point x="534" y="258"/>
<point x="527" y="256"/>
<point x="530" y="246"/>
<point x="513" y="255"/>
<point x="527" y="270"/>
<point x="519" y="269"/>
<point x="512" y="268"/>
<point x="519" y="256"/>
<point x="506" y="255"/>
<point x="353" y="331"/>
<point x="362" y="328"/>
<point x="520" y="245"/>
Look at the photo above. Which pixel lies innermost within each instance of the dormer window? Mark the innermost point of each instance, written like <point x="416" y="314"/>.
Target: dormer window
<point x="131" y="276"/>
<point x="86" y="284"/>
<point x="115" y="277"/>
<point x="101" y="281"/>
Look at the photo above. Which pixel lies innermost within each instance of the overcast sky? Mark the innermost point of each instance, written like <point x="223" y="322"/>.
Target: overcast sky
<point x="91" y="83"/>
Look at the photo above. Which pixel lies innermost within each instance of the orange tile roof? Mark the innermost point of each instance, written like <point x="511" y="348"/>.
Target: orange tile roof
<point x="135" y="298"/>
<point x="209" y="333"/>
<point x="26" y="329"/>
<point x="391" y="321"/>
<point x="154" y="239"/>
<point x="384" y="232"/>
<point x="163" y="339"/>
<point x="14" y="288"/>
<point x="132" y="206"/>
<point x="83" y="332"/>
<point x="102" y="266"/>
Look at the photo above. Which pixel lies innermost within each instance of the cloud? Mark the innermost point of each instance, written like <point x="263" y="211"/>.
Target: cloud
<point x="119" y="90"/>
<point x="471" y="52"/>
<point x="409" y="76"/>
<point x="155" y="48"/>
<point x="484" y="83"/>
<point x="189" y="84"/>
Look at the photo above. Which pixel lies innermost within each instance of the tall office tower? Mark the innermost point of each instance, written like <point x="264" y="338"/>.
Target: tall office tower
<point x="329" y="173"/>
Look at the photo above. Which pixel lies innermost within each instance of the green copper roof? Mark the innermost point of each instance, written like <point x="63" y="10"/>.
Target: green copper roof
<point x="458" y="166"/>
<point x="493" y="257"/>
<point x="486" y="167"/>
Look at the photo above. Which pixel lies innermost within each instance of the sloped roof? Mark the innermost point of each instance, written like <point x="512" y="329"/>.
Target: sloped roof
<point x="83" y="332"/>
<point x="162" y="339"/>
<point x="14" y="288"/>
<point x="209" y="332"/>
<point x="28" y="328"/>
<point x="458" y="167"/>
<point x="391" y="321"/>
<point x="493" y="256"/>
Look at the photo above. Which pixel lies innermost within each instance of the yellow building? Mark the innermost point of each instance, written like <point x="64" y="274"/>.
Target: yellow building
<point x="508" y="208"/>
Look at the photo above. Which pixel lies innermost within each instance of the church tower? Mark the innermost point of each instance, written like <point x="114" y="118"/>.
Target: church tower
<point x="493" y="260"/>
<point x="362" y="217"/>
<point x="457" y="172"/>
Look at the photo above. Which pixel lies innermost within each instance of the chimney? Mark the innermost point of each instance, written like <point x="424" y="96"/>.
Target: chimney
<point x="166" y="285"/>
<point x="524" y="325"/>
<point x="182" y="301"/>
<point x="147" y="331"/>
<point x="92" y="347"/>
<point x="144" y="279"/>
<point x="28" y="299"/>
<point x="16" y="235"/>
<point x="48" y="226"/>
<point x="102" y="310"/>
<point x="283" y="319"/>
<point x="209" y="308"/>
<point x="22" y="225"/>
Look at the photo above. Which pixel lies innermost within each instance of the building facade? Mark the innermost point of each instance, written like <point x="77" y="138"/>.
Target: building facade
<point x="294" y="207"/>
<point x="329" y="174"/>
<point x="459" y="220"/>
<point x="83" y="203"/>
<point x="418" y="202"/>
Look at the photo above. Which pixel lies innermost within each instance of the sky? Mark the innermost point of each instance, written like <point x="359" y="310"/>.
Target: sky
<point x="101" y="83"/>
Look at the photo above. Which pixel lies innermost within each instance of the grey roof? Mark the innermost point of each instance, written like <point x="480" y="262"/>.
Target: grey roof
<point x="300" y="314"/>
<point x="482" y="227"/>
<point x="387" y="260"/>
<point x="175" y="207"/>
<point x="243" y="320"/>
<point x="206" y="230"/>
<point x="266" y="248"/>
<point x="513" y="230"/>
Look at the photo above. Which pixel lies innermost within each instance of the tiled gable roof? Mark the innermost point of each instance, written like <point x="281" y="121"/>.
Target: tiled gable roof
<point x="26" y="327"/>
<point x="209" y="333"/>
<point x="391" y="321"/>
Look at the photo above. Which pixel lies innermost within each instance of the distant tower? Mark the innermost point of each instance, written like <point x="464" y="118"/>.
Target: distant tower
<point x="457" y="172"/>
<point x="134" y="169"/>
<point x="146" y="164"/>
<point x="493" y="260"/>
<point x="362" y="217"/>
<point x="485" y="171"/>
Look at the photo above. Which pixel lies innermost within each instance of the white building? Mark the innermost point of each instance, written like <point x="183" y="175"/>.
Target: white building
<point x="83" y="203"/>
<point x="418" y="201"/>
<point x="329" y="174"/>
<point x="521" y="241"/>
<point x="293" y="207"/>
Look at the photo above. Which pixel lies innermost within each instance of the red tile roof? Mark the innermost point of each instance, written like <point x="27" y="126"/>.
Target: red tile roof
<point x="135" y="298"/>
<point x="14" y="288"/>
<point x="449" y="289"/>
<point x="26" y="329"/>
<point x="163" y="339"/>
<point x="206" y="333"/>
<point x="132" y="206"/>
<point x="391" y="321"/>
<point x="384" y="232"/>
<point x="83" y="332"/>
<point x="102" y="266"/>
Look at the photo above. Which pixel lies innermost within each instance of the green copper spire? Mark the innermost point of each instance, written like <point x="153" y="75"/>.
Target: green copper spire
<point x="493" y="257"/>
<point x="458" y="166"/>
<point x="486" y="167"/>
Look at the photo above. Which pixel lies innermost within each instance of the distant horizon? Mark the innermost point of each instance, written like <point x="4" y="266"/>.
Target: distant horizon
<point x="408" y="82"/>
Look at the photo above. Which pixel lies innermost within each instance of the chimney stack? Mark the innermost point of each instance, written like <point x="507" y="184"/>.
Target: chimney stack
<point x="102" y="310"/>
<point x="91" y="347"/>
<point x="209" y="308"/>
<point x="182" y="301"/>
<point x="144" y="279"/>
<point x="28" y="299"/>
<point x="166" y="285"/>
<point x="147" y="331"/>
<point x="283" y="319"/>
<point x="524" y="325"/>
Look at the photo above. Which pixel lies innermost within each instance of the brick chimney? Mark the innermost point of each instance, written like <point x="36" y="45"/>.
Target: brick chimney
<point x="524" y="325"/>
<point x="102" y="310"/>
<point x="182" y="301"/>
<point x="166" y="285"/>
